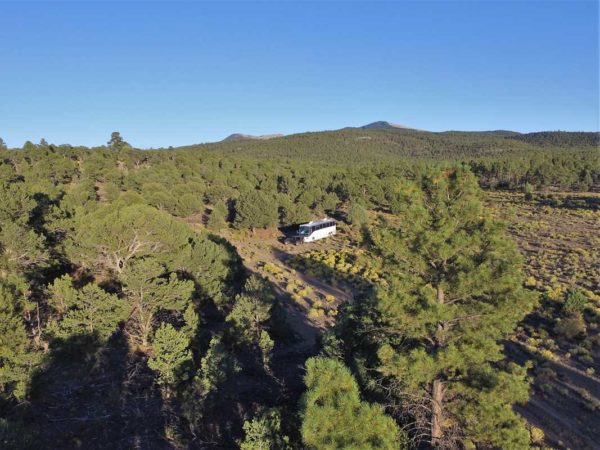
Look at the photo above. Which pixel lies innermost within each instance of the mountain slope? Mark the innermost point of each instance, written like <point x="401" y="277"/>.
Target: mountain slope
<point x="358" y="145"/>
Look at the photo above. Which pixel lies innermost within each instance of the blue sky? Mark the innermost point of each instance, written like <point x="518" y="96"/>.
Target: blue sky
<point x="180" y="73"/>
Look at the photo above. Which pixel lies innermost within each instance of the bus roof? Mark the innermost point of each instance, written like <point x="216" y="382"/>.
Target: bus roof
<point x="318" y="222"/>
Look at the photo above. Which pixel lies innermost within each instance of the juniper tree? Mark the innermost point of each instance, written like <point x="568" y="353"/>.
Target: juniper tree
<point x="455" y="291"/>
<point x="335" y="418"/>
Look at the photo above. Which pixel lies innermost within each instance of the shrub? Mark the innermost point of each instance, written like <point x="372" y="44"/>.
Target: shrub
<point x="316" y="313"/>
<point x="571" y="326"/>
<point x="575" y="301"/>
<point x="537" y="435"/>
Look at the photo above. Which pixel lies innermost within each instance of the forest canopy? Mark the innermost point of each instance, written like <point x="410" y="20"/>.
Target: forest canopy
<point x="126" y="308"/>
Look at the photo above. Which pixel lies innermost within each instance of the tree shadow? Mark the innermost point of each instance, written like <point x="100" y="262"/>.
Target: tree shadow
<point x="243" y="394"/>
<point x="562" y="399"/>
<point x="574" y="201"/>
<point x="99" y="399"/>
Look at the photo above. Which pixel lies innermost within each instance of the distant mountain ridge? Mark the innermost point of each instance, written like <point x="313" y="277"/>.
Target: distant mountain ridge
<point x="383" y="142"/>
<point x="407" y="136"/>
<point x="379" y="125"/>
<point x="240" y="137"/>
<point x="383" y="125"/>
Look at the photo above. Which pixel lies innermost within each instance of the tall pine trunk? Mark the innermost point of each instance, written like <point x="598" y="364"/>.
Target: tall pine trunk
<point x="437" y="399"/>
<point x="437" y="389"/>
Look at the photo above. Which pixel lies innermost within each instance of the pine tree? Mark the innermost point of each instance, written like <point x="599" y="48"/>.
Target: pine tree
<point x="455" y="290"/>
<point x="264" y="433"/>
<point x="21" y="247"/>
<point x="111" y="236"/>
<point x="215" y="367"/>
<point x="334" y="417"/>
<point x="213" y="266"/>
<point x="251" y="311"/>
<point x="150" y="288"/>
<point x="294" y="213"/>
<point x="217" y="218"/>
<point x="116" y="142"/>
<point x="255" y="210"/>
<point x="17" y="357"/>
<point x="170" y="355"/>
<point x="188" y="204"/>
<point x="90" y="314"/>
<point x="357" y="215"/>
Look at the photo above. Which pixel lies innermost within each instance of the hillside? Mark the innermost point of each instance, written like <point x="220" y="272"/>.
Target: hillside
<point x="375" y="144"/>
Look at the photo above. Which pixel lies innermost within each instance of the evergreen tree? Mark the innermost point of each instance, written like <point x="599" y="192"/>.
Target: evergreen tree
<point x="89" y="315"/>
<point x="170" y="355"/>
<point x="213" y="265"/>
<point x="575" y="301"/>
<point x="295" y="213"/>
<point x="455" y="290"/>
<point x="150" y="288"/>
<point x="251" y="310"/>
<point x="357" y="215"/>
<point x="111" y="236"/>
<point x="255" y="209"/>
<point x="18" y="358"/>
<point x="188" y="204"/>
<point x="217" y="218"/>
<point x="22" y="248"/>
<point x="192" y="321"/>
<point x="329" y="202"/>
<point x="334" y="417"/>
<point x="29" y="146"/>
<point x="116" y="142"/>
<point x="215" y="367"/>
<point x="264" y="433"/>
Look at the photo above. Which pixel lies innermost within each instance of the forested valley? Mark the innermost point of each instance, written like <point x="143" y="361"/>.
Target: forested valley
<point x="147" y="301"/>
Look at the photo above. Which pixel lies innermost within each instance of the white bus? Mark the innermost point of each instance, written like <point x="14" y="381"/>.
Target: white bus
<point x="315" y="230"/>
